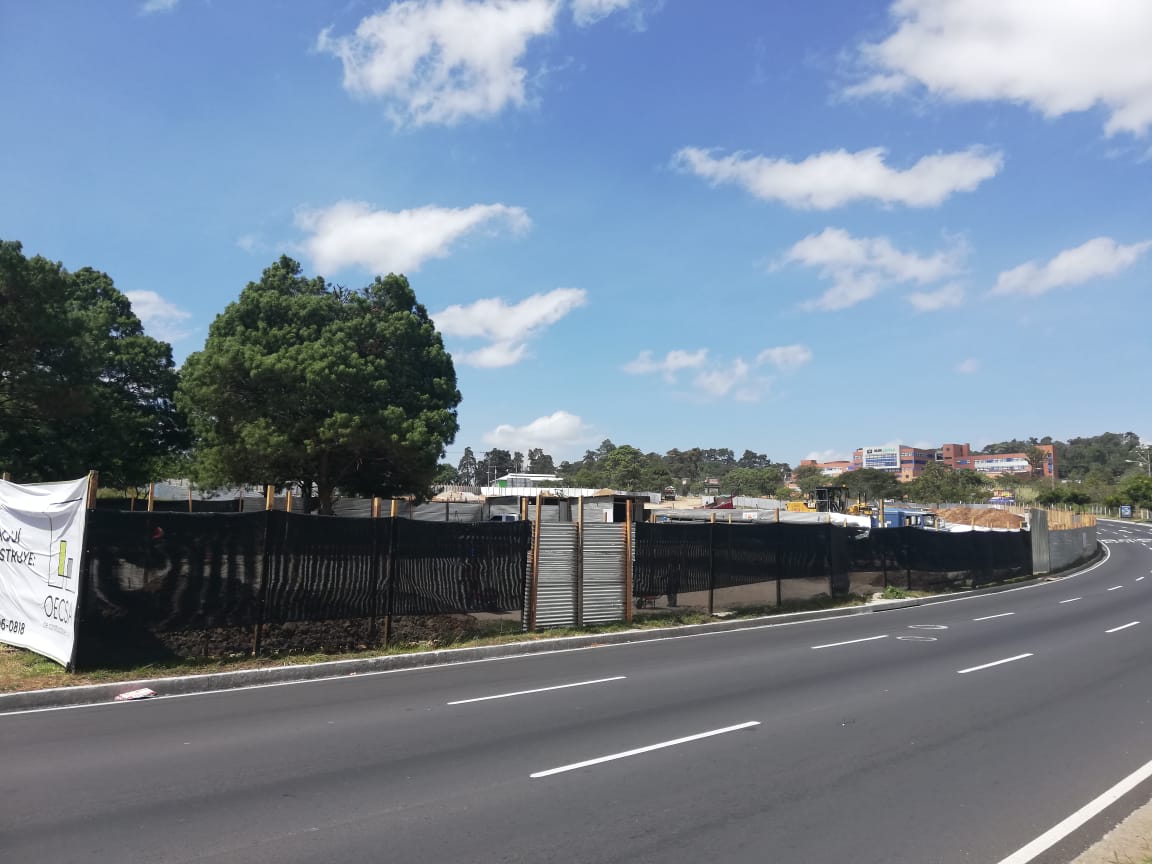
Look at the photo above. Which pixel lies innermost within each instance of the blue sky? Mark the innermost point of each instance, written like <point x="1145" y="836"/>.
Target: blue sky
<point x="795" y="228"/>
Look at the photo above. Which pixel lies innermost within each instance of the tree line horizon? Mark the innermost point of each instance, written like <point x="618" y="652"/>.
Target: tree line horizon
<point x="307" y="384"/>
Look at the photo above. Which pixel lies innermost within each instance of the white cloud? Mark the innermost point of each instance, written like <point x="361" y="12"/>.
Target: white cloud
<point x="556" y="433"/>
<point x="442" y="61"/>
<point x="785" y="356"/>
<point x="968" y="366"/>
<point x="509" y="328"/>
<point x="585" y="12"/>
<point x="715" y="377"/>
<point x="1096" y="259"/>
<point x="673" y="362"/>
<point x="1055" y="57"/>
<point x="828" y="456"/>
<point x="837" y="177"/>
<point x="148" y="7"/>
<point x="381" y="241"/>
<point x="161" y="318"/>
<point x="861" y="267"/>
<point x="948" y="297"/>
<point x="719" y="381"/>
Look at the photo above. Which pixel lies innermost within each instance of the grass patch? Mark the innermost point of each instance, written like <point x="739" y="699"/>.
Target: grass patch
<point x="22" y="670"/>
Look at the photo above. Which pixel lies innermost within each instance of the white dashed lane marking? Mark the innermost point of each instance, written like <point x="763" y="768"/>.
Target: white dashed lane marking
<point x="1122" y="627"/>
<point x="994" y="663"/>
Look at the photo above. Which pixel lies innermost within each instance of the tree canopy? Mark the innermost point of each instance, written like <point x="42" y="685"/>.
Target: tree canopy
<point x="81" y="386"/>
<point x="304" y="382"/>
<point x="938" y="484"/>
<point x="871" y="483"/>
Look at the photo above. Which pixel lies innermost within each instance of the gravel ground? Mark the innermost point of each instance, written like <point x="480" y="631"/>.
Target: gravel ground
<point x="1130" y="842"/>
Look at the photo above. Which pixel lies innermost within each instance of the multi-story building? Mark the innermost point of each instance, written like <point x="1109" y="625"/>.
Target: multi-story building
<point x="829" y="469"/>
<point x="908" y="462"/>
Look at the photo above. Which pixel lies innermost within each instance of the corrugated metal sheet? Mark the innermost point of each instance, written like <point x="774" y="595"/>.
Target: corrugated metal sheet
<point x="1038" y="525"/>
<point x="556" y="588"/>
<point x="605" y="557"/>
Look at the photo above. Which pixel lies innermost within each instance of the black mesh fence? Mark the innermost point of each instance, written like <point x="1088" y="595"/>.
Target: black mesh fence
<point x="173" y="505"/>
<point x="216" y="583"/>
<point x="444" y="567"/>
<point x="180" y="584"/>
<point x="688" y="557"/>
<point x="156" y="573"/>
<point x="916" y="559"/>
<point x="322" y="568"/>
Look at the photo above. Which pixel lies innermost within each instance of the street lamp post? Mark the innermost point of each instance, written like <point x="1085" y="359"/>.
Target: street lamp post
<point x="1146" y="459"/>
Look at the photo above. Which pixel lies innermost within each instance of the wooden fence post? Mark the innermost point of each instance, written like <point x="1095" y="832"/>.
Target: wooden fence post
<point x="258" y="632"/>
<point x="151" y="496"/>
<point x="390" y="573"/>
<point x="373" y="627"/>
<point x="712" y="564"/>
<point x="628" y="562"/>
<point x="580" y="561"/>
<point x="533" y="594"/>
<point x="93" y="486"/>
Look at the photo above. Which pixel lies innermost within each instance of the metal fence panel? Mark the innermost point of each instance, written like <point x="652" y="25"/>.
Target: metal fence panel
<point x="556" y="578"/>
<point x="1038" y="527"/>
<point x="605" y="557"/>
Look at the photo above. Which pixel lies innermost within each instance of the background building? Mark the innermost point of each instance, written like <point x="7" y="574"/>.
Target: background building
<point x="908" y="462"/>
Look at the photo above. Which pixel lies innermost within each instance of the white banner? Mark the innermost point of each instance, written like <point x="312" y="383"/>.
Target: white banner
<point x="41" y="540"/>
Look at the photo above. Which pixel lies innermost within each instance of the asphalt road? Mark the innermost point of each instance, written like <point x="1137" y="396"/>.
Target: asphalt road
<point x="956" y="732"/>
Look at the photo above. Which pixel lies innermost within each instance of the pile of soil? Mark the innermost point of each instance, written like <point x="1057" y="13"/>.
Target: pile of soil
<point x="982" y="518"/>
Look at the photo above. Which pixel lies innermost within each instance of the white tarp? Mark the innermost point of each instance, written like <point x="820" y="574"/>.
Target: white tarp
<point x="41" y="538"/>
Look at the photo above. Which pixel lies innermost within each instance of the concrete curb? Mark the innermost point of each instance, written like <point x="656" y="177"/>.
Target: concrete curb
<point x="91" y="694"/>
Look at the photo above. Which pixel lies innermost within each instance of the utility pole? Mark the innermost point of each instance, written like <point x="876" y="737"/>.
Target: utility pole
<point x="1145" y="454"/>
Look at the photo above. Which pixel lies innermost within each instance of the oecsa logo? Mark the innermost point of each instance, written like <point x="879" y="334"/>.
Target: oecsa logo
<point x="41" y="530"/>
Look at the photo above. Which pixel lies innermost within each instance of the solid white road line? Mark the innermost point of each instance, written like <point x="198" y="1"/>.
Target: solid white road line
<point x="1115" y="587"/>
<point x="647" y="749"/>
<point x="537" y="690"/>
<point x="990" y="617"/>
<point x="1070" y="600"/>
<point x="1090" y="810"/>
<point x="990" y="665"/>
<point x="849" y="642"/>
<point x="1122" y="627"/>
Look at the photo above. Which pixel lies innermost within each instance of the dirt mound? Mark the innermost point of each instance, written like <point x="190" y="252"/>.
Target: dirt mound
<point x="982" y="518"/>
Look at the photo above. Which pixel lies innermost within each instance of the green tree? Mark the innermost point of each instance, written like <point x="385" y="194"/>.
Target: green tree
<point x="446" y="475"/>
<point x="492" y="465"/>
<point x="753" y="460"/>
<point x="656" y="474"/>
<point x="938" y="484"/>
<point x="809" y="477"/>
<point x="1137" y="491"/>
<point x="759" y="482"/>
<point x="540" y="462"/>
<point x="466" y="470"/>
<point x="624" y="468"/>
<point x="871" y="483"/>
<point x="303" y="382"/>
<point x="81" y="386"/>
